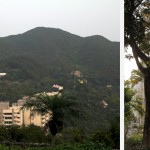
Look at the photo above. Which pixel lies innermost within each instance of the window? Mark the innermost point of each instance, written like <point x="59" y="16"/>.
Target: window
<point x="8" y="122"/>
<point x="7" y="113"/>
<point x="8" y="117"/>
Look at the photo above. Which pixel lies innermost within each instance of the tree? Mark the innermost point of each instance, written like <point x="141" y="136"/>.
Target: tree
<point x="137" y="36"/>
<point x="57" y="106"/>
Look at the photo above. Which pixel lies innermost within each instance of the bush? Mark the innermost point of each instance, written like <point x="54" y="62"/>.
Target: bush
<point x="73" y="135"/>
<point x="3" y="133"/>
<point x="110" y="137"/>
<point x="30" y="134"/>
<point x="78" y="146"/>
<point x="103" y="137"/>
<point x="3" y="147"/>
<point x="35" y="134"/>
<point x="114" y="132"/>
<point x="135" y="142"/>
<point x="84" y="146"/>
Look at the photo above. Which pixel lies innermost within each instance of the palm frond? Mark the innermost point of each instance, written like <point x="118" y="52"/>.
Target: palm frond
<point x="59" y="104"/>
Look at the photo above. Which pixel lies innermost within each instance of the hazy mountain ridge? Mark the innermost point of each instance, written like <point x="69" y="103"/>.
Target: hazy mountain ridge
<point x="41" y="57"/>
<point x="52" y="46"/>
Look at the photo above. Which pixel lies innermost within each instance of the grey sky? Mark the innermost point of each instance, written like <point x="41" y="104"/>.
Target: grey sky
<point x="80" y="17"/>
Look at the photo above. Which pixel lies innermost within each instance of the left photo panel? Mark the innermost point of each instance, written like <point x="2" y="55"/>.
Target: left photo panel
<point x="60" y="74"/>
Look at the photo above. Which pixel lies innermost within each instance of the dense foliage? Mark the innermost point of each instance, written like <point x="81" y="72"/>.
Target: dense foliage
<point x="137" y="36"/>
<point x="58" y="106"/>
<point x="34" y="138"/>
<point x="85" y="146"/>
<point x="41" y="57"/>
<point x="133" y="108"/>
<point x="32" y="134"/>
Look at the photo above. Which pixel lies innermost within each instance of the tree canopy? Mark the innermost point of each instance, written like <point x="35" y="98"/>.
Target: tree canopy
<point x="57" y="105"/>
<point x="137" y="36"/>
<point x="137" y="31"/>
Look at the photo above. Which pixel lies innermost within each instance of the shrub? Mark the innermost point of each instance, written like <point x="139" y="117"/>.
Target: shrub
<point x="102" y="136"/>
<point x="2" y="147"/>
<point x="135" y="142"/>
<point x="74" y="135"/>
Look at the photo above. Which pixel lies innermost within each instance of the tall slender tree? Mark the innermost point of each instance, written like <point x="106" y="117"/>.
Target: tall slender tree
<point x="137" y="36"/>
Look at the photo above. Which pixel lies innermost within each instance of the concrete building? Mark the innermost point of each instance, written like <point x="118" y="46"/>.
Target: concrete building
<point x="3" y="105"/>
<point x="30" y="117"/>
<point x="14" y="115"/>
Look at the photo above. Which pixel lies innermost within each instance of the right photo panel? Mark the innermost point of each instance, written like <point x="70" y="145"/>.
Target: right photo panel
<point x="137" y="74"/>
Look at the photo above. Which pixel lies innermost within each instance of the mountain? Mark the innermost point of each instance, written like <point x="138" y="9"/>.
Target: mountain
<point x="41" y="57"/>
<point x="54" y="46"/>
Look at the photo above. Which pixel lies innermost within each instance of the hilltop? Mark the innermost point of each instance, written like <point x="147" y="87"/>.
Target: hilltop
<point x="41" y="57"/>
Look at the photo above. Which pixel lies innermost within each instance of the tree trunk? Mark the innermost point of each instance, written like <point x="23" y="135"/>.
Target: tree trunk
<point x="146" y="133"/>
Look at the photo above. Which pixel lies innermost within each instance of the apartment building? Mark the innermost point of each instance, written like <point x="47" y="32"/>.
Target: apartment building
<point x="14" y="115"/>
<point x="3" y="105"/>
<point x="30" y="117"/>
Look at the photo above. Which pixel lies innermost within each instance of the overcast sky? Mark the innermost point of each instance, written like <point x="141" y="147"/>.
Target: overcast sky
<point x="129" y="65"/>
<point x="80" y="17"/>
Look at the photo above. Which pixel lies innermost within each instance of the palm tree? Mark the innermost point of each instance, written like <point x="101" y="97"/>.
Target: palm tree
<point x="57" y="106"/>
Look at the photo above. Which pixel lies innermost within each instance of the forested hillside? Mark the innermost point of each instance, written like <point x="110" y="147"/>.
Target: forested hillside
<point x="41" y="57"/>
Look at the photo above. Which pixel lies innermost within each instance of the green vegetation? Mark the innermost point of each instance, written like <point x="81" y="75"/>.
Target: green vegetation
<point x="41" y="57"/>
<point x="85" y="146"/>
<point x="137" y="36"/>
<point x="133" y="110"/>
<point x="135" y="142"/>
<point x="31" y="134"/>
<point x="133" y="107"/>
<point x="19" y="137"/>
<point x="59" y="106"/>
<point x="33" y="138"/>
